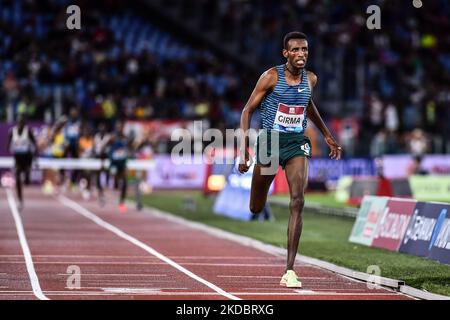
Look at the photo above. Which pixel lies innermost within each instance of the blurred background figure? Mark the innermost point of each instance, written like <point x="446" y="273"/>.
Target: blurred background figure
<point x="101" y="139"/>
<point x="418" y="143"/>
<point x="416" y="167"/>
<point x="22" y="144"/>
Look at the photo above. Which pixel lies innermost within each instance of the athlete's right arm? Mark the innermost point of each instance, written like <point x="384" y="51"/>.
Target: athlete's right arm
<point x="57" y="127"/>
<point x="265" y="84"/>
<point x="33" y="141"/>
<point x="8" y="143"/>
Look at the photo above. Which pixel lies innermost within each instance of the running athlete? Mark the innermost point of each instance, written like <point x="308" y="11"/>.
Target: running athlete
<point x="283" y="94"/>
<point x="86" y="151"/>
<point x="71" y="128"/>
<point x="22" y="145"/>
<point x="101" y="139"/>
<point x="119" y="151"/>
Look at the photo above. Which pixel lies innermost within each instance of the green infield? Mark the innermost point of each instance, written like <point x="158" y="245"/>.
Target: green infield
<point x="326" y="199"/>
<point x="324" y="237"/>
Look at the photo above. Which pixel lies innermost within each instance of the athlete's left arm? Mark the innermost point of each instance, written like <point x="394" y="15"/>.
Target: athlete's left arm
<point x="33" y="141"/>
<point x="8" y="142"/>
<point x="313" y="114"/>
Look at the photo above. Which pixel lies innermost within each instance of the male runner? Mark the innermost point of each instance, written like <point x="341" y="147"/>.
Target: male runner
<point x="120" y="147"/>
<point x="71" y="128"/>
<point x="101" y="139"/>
<point x="22" y="144"/>
<point x="283" y="94"/>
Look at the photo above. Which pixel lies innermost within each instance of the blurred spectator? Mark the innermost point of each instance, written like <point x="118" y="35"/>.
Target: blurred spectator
<point x="416" y="167"/>
<point x="418" y="143"/>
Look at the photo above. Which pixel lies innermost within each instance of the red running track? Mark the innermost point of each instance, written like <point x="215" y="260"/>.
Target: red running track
<point x="137" y="255"/>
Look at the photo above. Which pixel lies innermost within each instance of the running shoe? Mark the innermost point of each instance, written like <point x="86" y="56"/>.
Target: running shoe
<point x="123" y="208"/>
<point x="290" y="280"/>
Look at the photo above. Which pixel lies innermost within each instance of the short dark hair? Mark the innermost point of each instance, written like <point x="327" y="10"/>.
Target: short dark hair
<point x="293" y="35"/>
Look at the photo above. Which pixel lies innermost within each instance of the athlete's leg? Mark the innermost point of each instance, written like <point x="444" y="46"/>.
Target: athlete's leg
<point x="260" y="188"/>
<point x="19" y="172"/>
<point x="122" y="178"/>
<point x="75" y="175"/>
<point x="123" y="185"/>
<point x="27" y="169"/>
<point x="297" y="176"/>
<point x="27" y="176"/>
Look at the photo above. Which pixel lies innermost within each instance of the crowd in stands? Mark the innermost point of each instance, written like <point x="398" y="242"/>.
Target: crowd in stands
<point x="395" y="82"/>
<point x="118" y="65"/>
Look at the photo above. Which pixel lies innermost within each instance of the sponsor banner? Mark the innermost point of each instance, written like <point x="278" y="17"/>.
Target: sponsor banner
<point x="366" y="223"/>
<point x="361" y="187"/>
<point x="393" y="223"/>
<point x="426" y="229"/>
<point x="431" y="188"/>
<point x="234" y="200"/>
<point x="440" y="239"/>
<point x="401" y="188"/>
<point x="397" y="166"/>
<point x="167" y="175"/>
<point x="323" y="169"/>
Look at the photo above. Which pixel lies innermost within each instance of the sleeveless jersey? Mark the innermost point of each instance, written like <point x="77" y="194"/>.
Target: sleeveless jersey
<point x="284" y="109"/>
<point x="72" y="131"/>
<point x="119" y="149"/>
<point x="99" y="143"/>
<point x="20" y="143"/>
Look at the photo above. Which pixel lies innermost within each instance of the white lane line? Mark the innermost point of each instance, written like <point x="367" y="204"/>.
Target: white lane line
<point x="26" y="250"/>
<point x="115" y="275"/>
<point x="86" y="213"/>
<point x="58" y="256"/>
<point x="305" y="291"/>
<point x="149" y="292"/>
<point x="258" y="277"/>
<point x="268" y="294"/>
<point x="270" y="277"/>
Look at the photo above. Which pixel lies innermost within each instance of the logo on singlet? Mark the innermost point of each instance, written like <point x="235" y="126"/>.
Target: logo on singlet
<point x="306" y="149"/>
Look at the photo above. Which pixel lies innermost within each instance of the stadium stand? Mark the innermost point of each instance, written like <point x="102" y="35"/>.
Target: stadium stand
<point x="363" y="82"/>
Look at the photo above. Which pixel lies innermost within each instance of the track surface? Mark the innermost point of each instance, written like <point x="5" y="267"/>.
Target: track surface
<point x="139" y="256"/>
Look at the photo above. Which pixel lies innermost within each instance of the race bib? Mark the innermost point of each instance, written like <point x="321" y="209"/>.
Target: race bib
<point x="21" y="147"/>
<point x="119" y="154"/>
<point x="289" y="118"/>
<point x="73" y="130"/>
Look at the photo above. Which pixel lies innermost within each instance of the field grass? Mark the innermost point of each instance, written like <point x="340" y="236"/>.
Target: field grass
<point x="325" y="198"/>
<point x="323" y="237"/>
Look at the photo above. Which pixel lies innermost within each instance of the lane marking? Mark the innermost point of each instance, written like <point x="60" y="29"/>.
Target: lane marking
<point x="271" y="277"/>
<point x="26" y="250"/>
<point x="88" y="214"/>
<point x="140" y="257"/>
<point x="305" y="292"/>
<point x="151" y="263"/>
<point x="115" y="275"/>
<point x="160" y="293"/>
